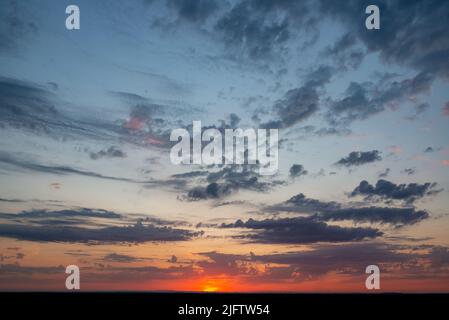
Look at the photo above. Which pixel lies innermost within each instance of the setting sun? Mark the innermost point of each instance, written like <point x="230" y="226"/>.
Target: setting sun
<point x="215" y="285"/>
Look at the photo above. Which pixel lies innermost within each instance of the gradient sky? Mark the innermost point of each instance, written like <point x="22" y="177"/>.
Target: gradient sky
<point x="85" y="119"/>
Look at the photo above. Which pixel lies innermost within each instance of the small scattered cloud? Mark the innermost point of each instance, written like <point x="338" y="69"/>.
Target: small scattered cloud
<point x="358" y="158"/>
<point x="385" y="173"/>
<point x="297" y="170"/>
<point x="111" y="152"/>
<point x="386" y="190"/>
<point x="446" y="109"/>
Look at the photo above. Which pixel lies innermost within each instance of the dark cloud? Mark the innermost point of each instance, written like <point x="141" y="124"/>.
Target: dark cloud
<point x="301" y="204"/>
<point x="190" y="174"/>
<point x="446" y="109"/>
<point x="115" y="257"/>
<point x="234" y="120"/>
<point x="387" y="190"/>
<point x="345" y="53"/>
<point x="319" y="260"/>
<point x="385" y="173"/>
<point x="332" y="131"/>
<point x="137" y="233"/>
<point x="358" y="158"/>
<point x="334" y="211"/>
<point x="297" y="170"/>
<point x="11" y="200"/>
<point x="363" y="100"/>
<point x="10" y="269"/>
<point x="411" y="33"/>
<point x="409" y="171"/>
<point x="194" y="10"/>
<point x="393" y="216"/>
<point x="297" y="105"/>
<point x="13" y="274"/>
<point x="33" y="108"/>
<point x="301" y="103"/>
<point x="231" y="179"/>
<point x="23" y="164"/>
<point x="15" y="27"/>
<point x="353" y="259"/>
<point x="300" y="230"/>
<point x="68" y="213"/>
<point x="252" y="31"/>
<point x="26" y="105"/>
<point x="111" y="152"/>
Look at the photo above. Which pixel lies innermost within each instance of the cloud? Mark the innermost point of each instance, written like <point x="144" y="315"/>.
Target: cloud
<point x="301" y="204"/>
<point x="190" y="174"/>
<point x="27" y="165"/>
<point x="111" y="152"/>
<point x="345" y="53"/>
<point x="301" y="103"/>
<point x="334" y="211"/>
<point x="26" y="105"/>
<point x="386" y="190"/>
<point x="251" y="31"/>
<point x="194" y="10"/>
<point x="414" y="38"/>
<point x="296" y="106"/>
<point x="409" y="171"/>
<point x="11" y="200"/>
<point x="115" y="257"/>
<point x="385" y="173"/>
<point x="300" y="230"/>
<point x="67" y="213"/>
<point x="393" y="216"/>
<point x="14" y="26"/>
<point x="297" y="170"/>
<point x="137" y="233"/>
<point x="358" y="158"/>
<point x="228" y="180"/>
<point x="363" y="100"/>
<point x="323" y="259"/>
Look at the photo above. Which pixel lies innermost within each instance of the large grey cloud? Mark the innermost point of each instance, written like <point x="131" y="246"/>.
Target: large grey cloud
<point x="300" y="230"/>
<point x="363" y="100"/>
<point x="111" y="152"/>
<point x="137" y="233"/>
<point x="26" y="105"/>
<point x="334" y="211"/>
<point x="348" y="259"/>
<point x="15" y="27"/>
<point x="394" y="216"/>
<point x="412" y="33"/>
<point x="66" y="213"/>
<point x="299" y="104"/>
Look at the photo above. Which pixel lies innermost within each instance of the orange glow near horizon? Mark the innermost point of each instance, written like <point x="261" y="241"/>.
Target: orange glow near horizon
<point x="214" y="285"/>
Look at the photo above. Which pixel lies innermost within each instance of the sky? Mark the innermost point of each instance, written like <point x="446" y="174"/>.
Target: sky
<point x="85" y="122"/>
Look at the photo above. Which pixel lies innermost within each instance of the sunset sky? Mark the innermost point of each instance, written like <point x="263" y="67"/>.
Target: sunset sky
<point x="363" y="119"/>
